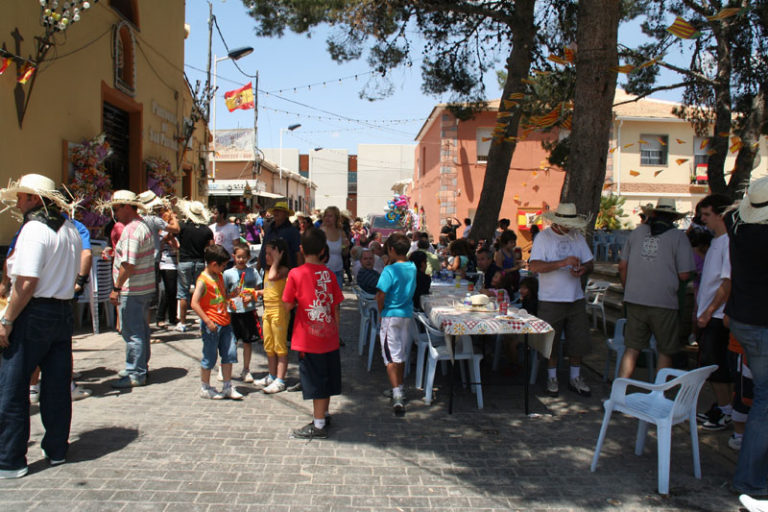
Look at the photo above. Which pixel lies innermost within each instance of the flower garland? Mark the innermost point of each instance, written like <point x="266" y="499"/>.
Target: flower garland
<point x="398" y="212"/>
<point x="90" y="182"/>
<point x="160" y="179"/>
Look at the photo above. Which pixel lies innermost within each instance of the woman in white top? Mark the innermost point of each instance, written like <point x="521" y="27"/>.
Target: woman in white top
<point x="337" y="242"/>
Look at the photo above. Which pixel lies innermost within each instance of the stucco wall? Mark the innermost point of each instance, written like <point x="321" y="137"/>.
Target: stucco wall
<point x="328" y="169"/>
<point x="379" y="166"/>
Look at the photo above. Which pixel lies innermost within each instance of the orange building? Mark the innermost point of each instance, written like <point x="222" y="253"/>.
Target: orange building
<point x="450" y="165"/>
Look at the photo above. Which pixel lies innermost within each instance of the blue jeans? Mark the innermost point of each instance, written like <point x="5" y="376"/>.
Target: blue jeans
<point x="135" y="331"/>
<point x="221" y="340"/>
<point x="340" y="278"/>
<point x="752" y="468"/>
<point x="188" y="272"/>
<point x="41" y="336"/>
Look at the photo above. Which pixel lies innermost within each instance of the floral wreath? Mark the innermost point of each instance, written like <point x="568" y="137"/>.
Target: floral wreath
<point x="90" y="181"/>
<point x="160" y="178"/>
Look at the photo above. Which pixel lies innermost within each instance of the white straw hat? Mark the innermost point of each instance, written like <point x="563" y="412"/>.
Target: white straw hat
<point x="194" y="211"/>
<point x="121" y="197"/>
<point x="150" y="200"/>
<point x="753" y="209"/>
<point x="38" y="185"/>
<point x="566" y="216"/>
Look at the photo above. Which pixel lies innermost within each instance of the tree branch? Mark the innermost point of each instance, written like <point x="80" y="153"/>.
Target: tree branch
<point x="655" y="89"/>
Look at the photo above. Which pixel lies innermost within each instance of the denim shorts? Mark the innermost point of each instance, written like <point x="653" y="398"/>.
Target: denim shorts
<point x="222" y="341"/>
<point x="188" y="271"/>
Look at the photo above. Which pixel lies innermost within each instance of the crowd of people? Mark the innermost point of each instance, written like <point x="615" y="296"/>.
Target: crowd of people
<point x="177" y="255"/>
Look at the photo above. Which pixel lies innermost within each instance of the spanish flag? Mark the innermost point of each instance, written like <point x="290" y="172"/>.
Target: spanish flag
<point x="26" y="73"/>
<point x="241" y="98"/>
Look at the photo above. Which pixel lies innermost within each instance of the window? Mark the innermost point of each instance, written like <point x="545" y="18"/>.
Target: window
<point x="352" y="182"/>
<point x="483" y="144"/>
<point x="653" y="149"/>
<point x="125" y="69"/>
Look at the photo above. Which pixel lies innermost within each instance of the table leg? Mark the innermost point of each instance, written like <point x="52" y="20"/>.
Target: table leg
<point x="527" y="372"/>
<point x="452" y="376"/>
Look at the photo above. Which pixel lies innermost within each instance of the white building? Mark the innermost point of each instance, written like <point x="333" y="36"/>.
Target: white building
<point x="379" y="167"/>
<point x="328" y="168"/>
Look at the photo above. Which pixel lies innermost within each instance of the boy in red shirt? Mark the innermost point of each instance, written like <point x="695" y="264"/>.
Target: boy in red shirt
<point x="314" y="291"/>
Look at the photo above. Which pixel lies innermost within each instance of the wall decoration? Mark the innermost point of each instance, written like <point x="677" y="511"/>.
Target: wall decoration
<point x="89" y="180"/>
<point x="160" y="178"/>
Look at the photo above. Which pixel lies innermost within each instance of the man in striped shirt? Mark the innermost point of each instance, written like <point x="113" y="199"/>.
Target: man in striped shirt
<point x="133" y="274"/>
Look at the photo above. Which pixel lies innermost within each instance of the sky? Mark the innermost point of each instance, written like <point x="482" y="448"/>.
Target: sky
<point x="326" y="99"/>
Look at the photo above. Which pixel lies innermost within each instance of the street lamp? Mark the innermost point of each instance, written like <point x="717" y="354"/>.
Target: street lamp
<point x="237" y="53"/>
<point x="280" y="158"/>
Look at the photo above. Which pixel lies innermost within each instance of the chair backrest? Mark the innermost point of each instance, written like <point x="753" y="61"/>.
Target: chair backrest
<point x="688" y="395"/>
<point x="432" y="334"/>
<point x="618" y="331"/>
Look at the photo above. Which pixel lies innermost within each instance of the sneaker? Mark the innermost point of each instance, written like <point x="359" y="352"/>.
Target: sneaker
<point x="80" y="392"/>
<point x="310" y="431"/>
<point x="129" y="381"/>
<point x="231" y="393"/>
<point x="276" y="386"/>
<point x="553" y="389"/>
<point x="701" y="417"/>
<point x="180" y="327"/>
<point x="263" y="382"/>
<point x="398" y="405"/>
<point x="53" y="462"/>
<point x="717" y="421"/>
<point x="220" y="377"/>
<point x="210" y="393"/>
<point x="295" y="387"/>
<point x="34" y="396"/>
<point x="328" y="421"/>
<point x="753" y="505"/>
<point x="735" y="442"/>
<point x="246" y="376"/>
<point x="6" y="474"/>
<point x="579" y="387"/>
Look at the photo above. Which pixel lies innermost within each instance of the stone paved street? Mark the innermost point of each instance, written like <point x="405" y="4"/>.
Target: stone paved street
<point x="163" y="448"/>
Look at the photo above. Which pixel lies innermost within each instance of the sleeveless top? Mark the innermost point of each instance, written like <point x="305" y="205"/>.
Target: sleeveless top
<point x="508" y="261"/>
<point x="273" y="293"/>
<point x="214" y="301"/>
<point x="335" y="262"/>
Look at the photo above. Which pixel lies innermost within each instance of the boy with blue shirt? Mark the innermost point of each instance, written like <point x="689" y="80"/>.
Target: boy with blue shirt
<point x="394" y="296"/>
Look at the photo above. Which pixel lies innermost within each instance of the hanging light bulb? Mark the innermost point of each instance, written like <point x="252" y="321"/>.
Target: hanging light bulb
<point x="86" y="5"/>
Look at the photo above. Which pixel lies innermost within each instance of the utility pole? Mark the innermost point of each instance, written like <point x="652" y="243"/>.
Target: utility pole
<point x="208" y="92"/>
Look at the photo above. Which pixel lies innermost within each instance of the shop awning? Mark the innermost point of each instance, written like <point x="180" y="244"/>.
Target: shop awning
<point x="269" y="194"/>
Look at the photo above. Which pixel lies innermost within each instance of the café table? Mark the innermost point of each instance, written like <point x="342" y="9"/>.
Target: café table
<point x="443" y="306"/>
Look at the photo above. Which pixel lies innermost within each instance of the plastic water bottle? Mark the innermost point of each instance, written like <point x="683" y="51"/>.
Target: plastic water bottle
<point x="468" y="300"/>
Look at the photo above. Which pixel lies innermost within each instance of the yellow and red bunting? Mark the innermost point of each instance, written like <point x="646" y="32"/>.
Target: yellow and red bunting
<point x="26" y="73"/>
<point x="546" y="120"/>
<point x="641" y="141"/>
<point x="569" y="54"/>
<point x="626" y="68"/>
<point x="568" y="123"/>
<point x="613" y="149"/>
<point x="648" y="63"/>
<point x="485" y="139"/>
<point x="516" y="96"/>
<point x="711" y="152"/>
<point x="661" y="141"/>
<point x="558" y="60"/>
<point x="528" y="81"/>
<point x="680" y="141"/>
<point x="656" y="173"/>
<point x="723" y="134"/>
<point x="704" y="143"/>
<point x="735" y="144"/>
<point x="681" y="161"/>
<point x="625" y="146"/>
<point x="241" y="98"/>
<point x="725" y="13"/>
<point x="634" y="173"/>
<point x="4" y="63"/>
<point x="539" y="72"/>
<point x="508" y="104"/>
<point x="683" y="29"/>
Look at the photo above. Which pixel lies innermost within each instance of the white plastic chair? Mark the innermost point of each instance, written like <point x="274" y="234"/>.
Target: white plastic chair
<point x="363" y="301"/>
<point x="655" y="408"/>
<point x="595" y="299"/>
<point x="463" y="352"/>
<point x="372" y="311"/>
<point x="616" y="344"/>
<point x="98" y="289"/>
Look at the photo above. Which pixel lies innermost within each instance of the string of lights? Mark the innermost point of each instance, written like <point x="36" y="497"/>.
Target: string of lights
<point x="328" y="118"/>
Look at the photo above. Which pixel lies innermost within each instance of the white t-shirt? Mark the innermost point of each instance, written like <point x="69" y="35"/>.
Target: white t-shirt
<point x="466" y="231"/>
<point x="717" y="266"/>
<point x="53" y="257"/>
<point x="225" y="235"/>
<point x="559" y="285"/>
<point x="378" y="263"/>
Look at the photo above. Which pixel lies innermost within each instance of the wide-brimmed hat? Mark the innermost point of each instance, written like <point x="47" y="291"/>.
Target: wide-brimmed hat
<point x="753" y="209"/>
<point x="282" y="206"/>
<point x="566" y="216"/>
<point x="150" y="200"/>
<point x="347" y="214"/>
<point x="664" y="205"/>
<point x="194" y="211"/>
<point x="38" y="185"/>
<point x="121" y="197"/>
<point x="301" y="214"/>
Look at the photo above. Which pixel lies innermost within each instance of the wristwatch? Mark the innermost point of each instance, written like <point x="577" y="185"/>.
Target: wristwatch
<point x="117" y="289"/>
<point x="5" y="322"/>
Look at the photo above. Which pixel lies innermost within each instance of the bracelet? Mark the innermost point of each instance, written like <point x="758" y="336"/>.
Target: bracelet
<point x="117" y="289"/>
<point x="81" y="280"/>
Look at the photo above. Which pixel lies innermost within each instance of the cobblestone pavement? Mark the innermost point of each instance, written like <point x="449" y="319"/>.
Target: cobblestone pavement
<point x="161" y="447"/>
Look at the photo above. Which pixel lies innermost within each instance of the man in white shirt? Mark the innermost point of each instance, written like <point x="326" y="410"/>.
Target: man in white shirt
<point x="225" y="233"/>
<point x="36" y="327"/>
<point x="713" y="293"/>
<point x="560" y="256"/>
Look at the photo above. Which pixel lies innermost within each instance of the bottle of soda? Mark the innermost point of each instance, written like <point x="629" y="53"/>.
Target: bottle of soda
<point x="503" y="307"/>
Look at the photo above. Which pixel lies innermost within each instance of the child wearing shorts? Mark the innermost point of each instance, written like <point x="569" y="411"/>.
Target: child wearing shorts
<point x="210" y="303"/>
<point x="315" y="293"/>
<point x="243" y="282"/>
<point x="276" y="318"/>
<point x="394" y="296"/>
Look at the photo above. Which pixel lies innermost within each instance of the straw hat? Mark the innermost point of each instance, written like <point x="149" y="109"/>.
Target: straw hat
<point x="347" y="214"/>
<point x="753" y="209"/>
<point x="194" y="211"/>
<point x="301" y="214"/>
<point x="150" y="200"/>
<point x="664" y="205"/>
<point x="121" y="197"/>
<point x="38" y="185"/>
<point x="282" y="206"/>
<point x="566" y="216"/>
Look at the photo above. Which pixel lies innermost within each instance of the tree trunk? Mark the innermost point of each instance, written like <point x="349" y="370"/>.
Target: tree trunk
<point x="718" y="144"/>
<point x="750" y="136"/>
<point x="596" y="37"/>
<point x="500" y="154"/>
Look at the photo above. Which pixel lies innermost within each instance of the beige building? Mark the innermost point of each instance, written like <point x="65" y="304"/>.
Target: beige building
<point x="379" y="168"/>
<point x="120" y="71"/>
<point x="655" y="154"/>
